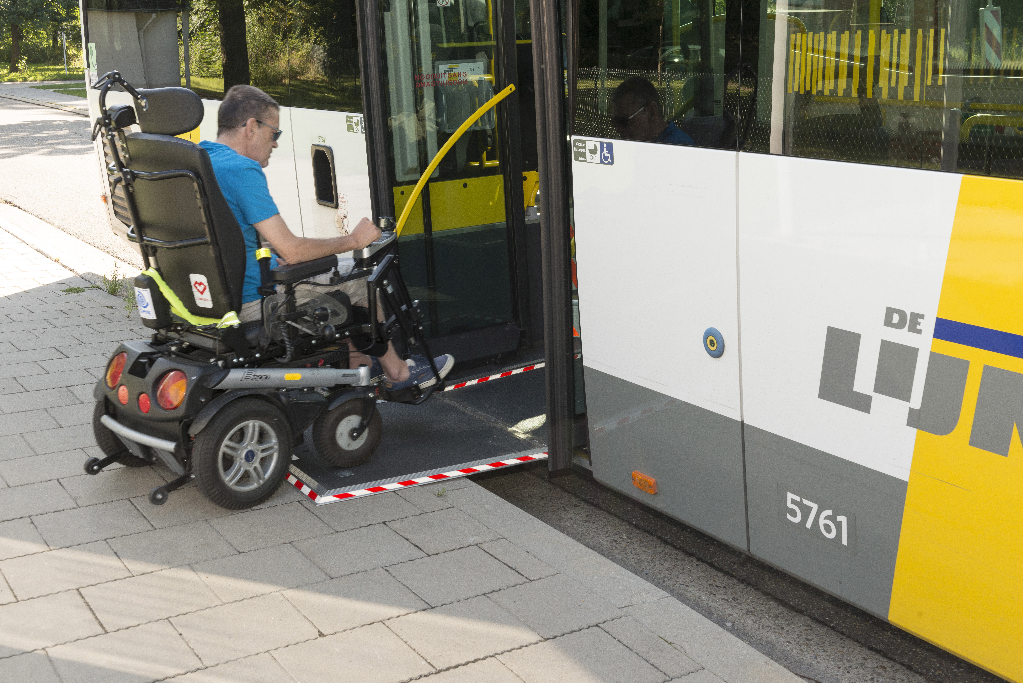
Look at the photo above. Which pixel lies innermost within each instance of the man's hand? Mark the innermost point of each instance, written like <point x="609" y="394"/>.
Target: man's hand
<point x="365" y="233"/>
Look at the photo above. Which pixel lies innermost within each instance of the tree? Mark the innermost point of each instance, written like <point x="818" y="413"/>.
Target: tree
<point x="16" y="15"/>
<point x="19" y="15"/>
<point x="331" y="24"/>
<point x="233" y="44"/>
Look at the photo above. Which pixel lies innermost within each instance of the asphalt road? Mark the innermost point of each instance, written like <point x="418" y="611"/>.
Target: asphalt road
<point x="49" y="168"/>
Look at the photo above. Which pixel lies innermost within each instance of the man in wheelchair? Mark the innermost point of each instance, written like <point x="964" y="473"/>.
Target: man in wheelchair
<point x="247" y="133"/>
<point x="247" y="352"/>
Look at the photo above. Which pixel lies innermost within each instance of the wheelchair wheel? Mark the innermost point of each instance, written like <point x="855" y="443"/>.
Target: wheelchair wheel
<point x="241" y="457"/>
<point x="333" y="439"/>
<point x="109" y="443"/>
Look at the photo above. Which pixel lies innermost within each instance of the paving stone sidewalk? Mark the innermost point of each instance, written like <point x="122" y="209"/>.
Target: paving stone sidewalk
<point x="444" y="583"/>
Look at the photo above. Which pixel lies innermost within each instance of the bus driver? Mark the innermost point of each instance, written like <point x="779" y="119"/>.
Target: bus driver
<point x="247" y="132"/>
<point x="637" y="114"/>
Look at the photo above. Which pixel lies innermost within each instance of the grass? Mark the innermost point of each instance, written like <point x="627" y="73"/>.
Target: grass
<point x="115" y="285"/>
<point x="42" y="72"/>
<point x="77" y="91"/>
<point x="311" y="94"/>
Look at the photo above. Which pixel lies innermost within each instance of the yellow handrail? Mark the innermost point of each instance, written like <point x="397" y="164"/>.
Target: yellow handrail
<point x="490" y="104"/>
<point x="988" y="120"/>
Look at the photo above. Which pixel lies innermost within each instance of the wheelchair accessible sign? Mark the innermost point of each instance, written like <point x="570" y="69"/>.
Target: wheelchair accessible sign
<point x="593" y="152"/>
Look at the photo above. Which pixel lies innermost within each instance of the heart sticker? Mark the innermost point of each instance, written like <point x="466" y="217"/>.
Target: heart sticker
<point x="201" y="290"/>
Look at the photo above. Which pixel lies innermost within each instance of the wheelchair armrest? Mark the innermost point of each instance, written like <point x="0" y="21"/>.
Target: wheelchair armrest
<point x="295" y="272"/>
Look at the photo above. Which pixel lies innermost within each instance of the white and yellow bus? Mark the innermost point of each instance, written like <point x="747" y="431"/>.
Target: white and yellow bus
<point x="802" y="335"/>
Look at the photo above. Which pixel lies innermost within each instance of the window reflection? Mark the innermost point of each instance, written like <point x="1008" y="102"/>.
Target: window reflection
<point x="919" y="84"/>
<point x="436" y="81"/>
<point x="655" y="71"/>
<point x="913" y="83"/>
<point x="303" y="53"/>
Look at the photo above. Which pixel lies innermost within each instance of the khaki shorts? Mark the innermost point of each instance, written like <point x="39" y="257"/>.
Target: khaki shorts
<point x="356" y="291"/>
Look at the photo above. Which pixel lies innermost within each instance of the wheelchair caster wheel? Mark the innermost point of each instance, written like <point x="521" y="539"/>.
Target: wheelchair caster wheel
<point x="337" y="439"/>
<point x="158" y="496"/>
<point x="92" y="466"/>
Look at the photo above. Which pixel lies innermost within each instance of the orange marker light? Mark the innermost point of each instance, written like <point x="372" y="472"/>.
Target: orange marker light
<point x="170" y="391"/>
<point x="644" y="482"/>
<point x="122" y="395"/>
<point x="115" y="368"/>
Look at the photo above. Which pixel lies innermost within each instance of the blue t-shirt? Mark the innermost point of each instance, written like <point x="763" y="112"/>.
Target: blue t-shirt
<point x="671" y="135"/>
<point x="244" y="186"/>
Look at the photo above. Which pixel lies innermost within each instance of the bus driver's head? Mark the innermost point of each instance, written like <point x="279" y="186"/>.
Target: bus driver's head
<point x="248" y="123"/>
<point x="636" y="110"/>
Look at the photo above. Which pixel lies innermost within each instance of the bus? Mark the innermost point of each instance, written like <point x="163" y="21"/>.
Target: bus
<point x="798" y="331"/>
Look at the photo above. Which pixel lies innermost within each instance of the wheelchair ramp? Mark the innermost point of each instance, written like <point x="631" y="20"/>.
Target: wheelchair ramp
<point x="484" y="421"/>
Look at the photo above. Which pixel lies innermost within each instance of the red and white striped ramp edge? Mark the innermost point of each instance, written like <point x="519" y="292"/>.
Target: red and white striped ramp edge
<point x="409" y="483"/>
<point x="622" y="419"/>
<point x="500" y="375"/>
<point x="506" y="373"/>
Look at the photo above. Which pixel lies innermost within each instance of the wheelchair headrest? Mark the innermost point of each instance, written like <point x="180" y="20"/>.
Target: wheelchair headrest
<point x="171" y="111"/>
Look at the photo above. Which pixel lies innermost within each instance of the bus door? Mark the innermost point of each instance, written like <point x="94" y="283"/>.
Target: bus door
<point x="465" y="247"/>
<point x="656" y="125"/>
<point x="470" y="249"/>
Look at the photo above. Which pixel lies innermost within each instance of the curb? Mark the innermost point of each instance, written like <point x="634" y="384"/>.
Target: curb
<point x="66" y="250"/>
<point x="51" y="105"/>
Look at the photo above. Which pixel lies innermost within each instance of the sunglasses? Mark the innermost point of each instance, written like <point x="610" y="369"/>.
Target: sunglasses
<point x="623" y="121"/>
<point x="277" y="131"/>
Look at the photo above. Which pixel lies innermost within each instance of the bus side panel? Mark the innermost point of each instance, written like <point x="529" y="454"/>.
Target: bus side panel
<point x="840" y="275"/>
<point x="655" y="243"/>
<point x="331" y="128"/>
<point x="959" y="574"/>
<point x="858" y="562"/>
<point x="113" y="97"/>
<point x="694" y="454"/>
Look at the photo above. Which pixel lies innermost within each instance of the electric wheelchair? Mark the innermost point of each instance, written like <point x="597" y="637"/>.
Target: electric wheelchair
<point x="212" y="399"/>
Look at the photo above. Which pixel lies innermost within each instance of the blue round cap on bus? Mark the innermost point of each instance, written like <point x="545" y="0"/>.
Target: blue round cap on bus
<point x="713" y="342"/>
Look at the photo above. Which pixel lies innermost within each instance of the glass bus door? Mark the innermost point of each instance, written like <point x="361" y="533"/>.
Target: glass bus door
<point x="463" y="255"/>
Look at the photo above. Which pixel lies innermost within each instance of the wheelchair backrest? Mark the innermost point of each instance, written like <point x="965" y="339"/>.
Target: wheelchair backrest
<point x="183" y="219"/>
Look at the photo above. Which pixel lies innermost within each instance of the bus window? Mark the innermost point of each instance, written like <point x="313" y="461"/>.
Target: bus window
<point x="654" y="71"/>
<point x="138" y="38"/>
<point x="303" y="54"/>
<point x="324" y="56"/>
<point x="932" y="84"/>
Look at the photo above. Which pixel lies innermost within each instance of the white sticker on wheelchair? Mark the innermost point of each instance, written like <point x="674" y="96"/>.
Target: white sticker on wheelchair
<point x="144" y="300"/>
<point x="201" y="291"/>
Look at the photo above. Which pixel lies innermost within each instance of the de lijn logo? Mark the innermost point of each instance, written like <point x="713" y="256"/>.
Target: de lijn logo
<point x="593" y="152"/>
<point x="999" y="401"/>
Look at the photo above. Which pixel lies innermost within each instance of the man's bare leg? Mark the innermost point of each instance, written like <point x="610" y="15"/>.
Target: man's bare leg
<point x="394" y="367"/>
